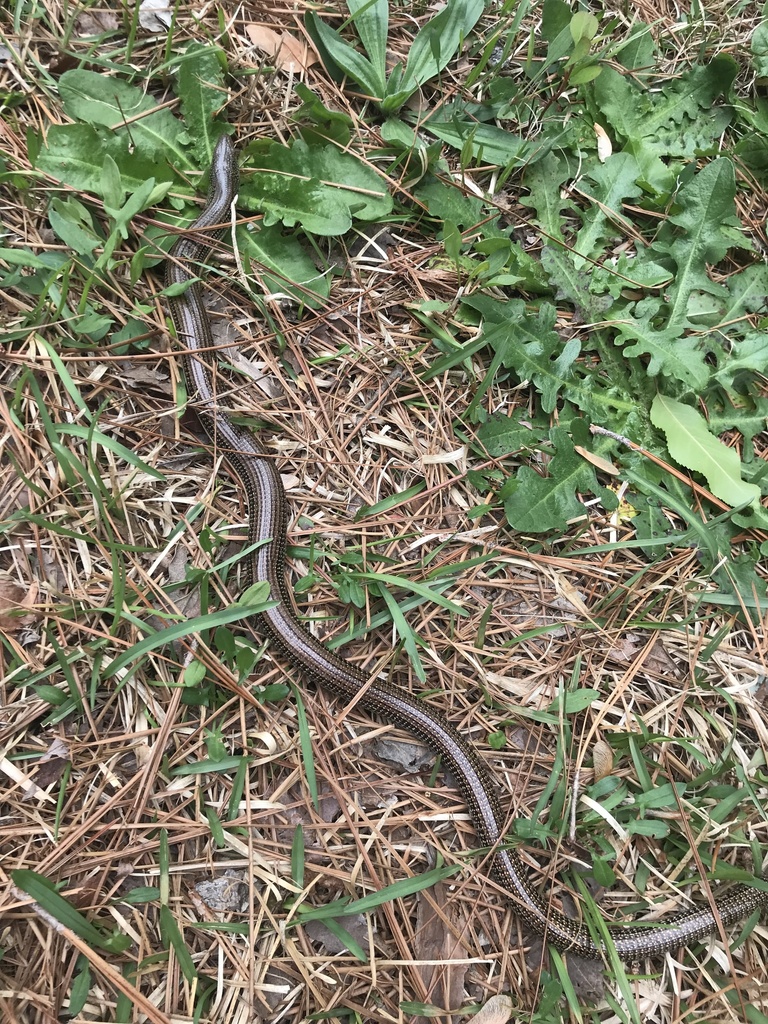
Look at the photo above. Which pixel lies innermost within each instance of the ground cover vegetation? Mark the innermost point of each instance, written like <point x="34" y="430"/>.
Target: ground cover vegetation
<point x="495" y="299"/>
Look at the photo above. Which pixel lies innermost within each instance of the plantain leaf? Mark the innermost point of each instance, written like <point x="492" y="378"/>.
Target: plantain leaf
<point x="432" y="49"/>
<point x="371" y="19"/>
<point x="350" y="60"/>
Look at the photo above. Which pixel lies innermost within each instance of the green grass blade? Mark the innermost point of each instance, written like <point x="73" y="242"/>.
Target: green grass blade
<point x="179" y="630"/>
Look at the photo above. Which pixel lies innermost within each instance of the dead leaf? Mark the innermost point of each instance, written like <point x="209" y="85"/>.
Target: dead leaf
<point x="52" y="763"/>
<point x="145" y="375"/>
<point x="94" y="23"/>
<point x="288" y="52"/>
<point x="625" y="648"/>
<point x="567" y="591"/>
<point x="604" y="147"/>
<point x="15" y="604"/>
<point x="58" y="748"/>
<point x="155" y="15"/>
<point x="437" y="944"/>
<point x="356" y="926"/>
<point x="254" y="370"/>
<point x="498" y="1010"/>
<point x="31" y="791"/>
<point x="602" y="759"/>
<point x="405" y="754"/>
<point x="661" y="663"/>
<point x="602" y="464"/>
<point x="276" y="989"/>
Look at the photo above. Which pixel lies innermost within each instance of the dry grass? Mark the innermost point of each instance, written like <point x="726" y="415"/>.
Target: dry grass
<point x="90" y="797"/>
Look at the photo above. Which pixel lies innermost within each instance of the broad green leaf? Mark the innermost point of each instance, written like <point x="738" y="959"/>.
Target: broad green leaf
<point x="371" y="21"/>
<point x="637" y="113"/>
<point x="350" y="60"/>
<point x="128" y="112"/>
<point x="740" y="586"/>
<point x="503" y="435"/>
<point x="586" y="74"/>
<point x="675" y="357"/>
<point x="760" y="49"/>
<point x="111" y="102"/>
<point x="574" y="284"/>
<point x="449" y="203"/>
<point x="283" y="265"/>
<point x="679" y="120"/>
<point x="747" y="290"/>
<point x="750" y="420"/>
<point x="123" y="212"/>
<point x="200" y="85"/>
<point x="75" y="153"/>
<point x="537" y="353"/>
<point x="315" y="186"/>
<point x="72" y="223"/>
<point x="488" y="143"/>
<point x="742" y="358"/>
<point x="528" y="343"/>
<point x="706" y="204"/>
<point x="608" y="186"/>
<point x="638" y="52"/>
<point x="707" y="201"/>
<point x="27" y="258"/>
<point x="555" y="19"/>
<point x="573" y="702"/>
<point x="583" y="25"/>
<point x="543" y="503"/>
<point x="540" y="504"/>
<point x="81" y="986"/>
<point x="545" y="195"/>
<point x="634" y="270"/>
<point x="660" y="797"/>
<point x="647" y="827"/>
<point x="691" y="444"/>
<point x="335" y="126"/>
<point x="434" y="46"/>
<point x="559" y="47"/>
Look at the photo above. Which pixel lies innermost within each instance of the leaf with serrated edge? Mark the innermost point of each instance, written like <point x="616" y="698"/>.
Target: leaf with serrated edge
<point x="675" y="357"/>
<point x="611" y="184"/>
<point x="547" y="503"/>
<point x="691" y="444"/>
<point x="315" y="186"/>
<point x="708" y="200"/>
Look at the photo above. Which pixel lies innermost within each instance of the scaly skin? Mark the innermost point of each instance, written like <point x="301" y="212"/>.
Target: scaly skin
<point x="267" y="524"/>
